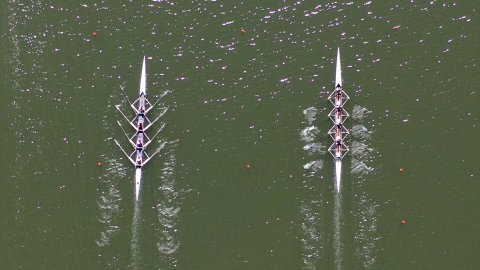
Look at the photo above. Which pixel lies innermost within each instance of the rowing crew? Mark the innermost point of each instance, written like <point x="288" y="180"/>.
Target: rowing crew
<point x="139" y="143"/>
<point x="339" y="145"/>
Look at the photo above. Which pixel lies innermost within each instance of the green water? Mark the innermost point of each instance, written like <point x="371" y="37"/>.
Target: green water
<point x="255" y="97"/>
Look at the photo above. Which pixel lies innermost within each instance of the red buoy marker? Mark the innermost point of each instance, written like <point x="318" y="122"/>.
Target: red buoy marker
<point x="403" y="222"/>
<point x="242" y="30"/>
<point x="248" y="166"/>
<point x="99" y="164"/>
<point x="402" y="169"/>
<point x="94" y="34"/>
<point x="396" y="27"/>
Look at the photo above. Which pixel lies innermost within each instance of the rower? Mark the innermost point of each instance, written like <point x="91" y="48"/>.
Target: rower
<point x="139" y="159"/>
<point x="339" y="112"/>
<point x="338" y="133"/>
<point x="338" y="145"/>
<point x="140" y="127"/>
<point x="142" y="112"/>
<point x="140" y="146"/>
<point x="139" y="164"/>
<point x="338" y="94"/>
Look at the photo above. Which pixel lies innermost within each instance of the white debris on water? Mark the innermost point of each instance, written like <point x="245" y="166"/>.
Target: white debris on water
<point x="312" y="167"/>
<point x="359" y="112"/>
<point x="310" y="114"/>
<point x="360" y="132"/>
<point x="314" y="148"/>
<point x="359" y="149"/>
<point x="308" y="134"/>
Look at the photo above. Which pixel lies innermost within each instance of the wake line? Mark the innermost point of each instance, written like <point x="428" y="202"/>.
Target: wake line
<point x="134" y="244"/>
<point x="337" y="231"/>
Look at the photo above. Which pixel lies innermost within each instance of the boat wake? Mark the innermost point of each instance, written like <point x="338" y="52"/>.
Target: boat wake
<point x="134" y="244"/>
<point x="359" y="113"/>
<point x="310" y="114"/>
<point x="361" y="152"/>
<point x="110" y="198"/>
<point x="168" y="205"/>
<point x="366" y="236"/>
<point x="312" y="205"/>
<point x="313" y="166"/>
<point x="109" y="202"/>
<point x="312" y="147"/>
<point x="365" y="212"/>
<point x="308" y="134"/>
<point x="337" y="231"/>
<point x="312" y="238"/>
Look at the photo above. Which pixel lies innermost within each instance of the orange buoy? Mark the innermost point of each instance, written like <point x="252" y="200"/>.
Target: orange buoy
<point x="396" y="27"/>
<point x="94" y="34"/>
<point x="243" y="30"/>
<point x="404" y="221"/>
<point x="248" y="166"/>
<point x="401" y="169"/>
<point x="99" y="164"/>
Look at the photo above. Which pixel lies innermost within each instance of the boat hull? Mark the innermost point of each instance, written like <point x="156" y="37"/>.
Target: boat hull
<point x="138" y="182"/>
<point x="338" y="174"/>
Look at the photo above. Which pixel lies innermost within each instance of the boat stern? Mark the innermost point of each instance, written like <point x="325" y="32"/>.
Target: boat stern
<point x="338" y="174"/>
<point x="138" y="181"/>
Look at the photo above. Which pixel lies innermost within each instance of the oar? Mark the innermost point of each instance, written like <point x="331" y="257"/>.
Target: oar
<point x="126" y="135"/>
<point x="152" y="122"/>
<point x="129" y="158"/>
<point x="128" y="100"/>
<point x="158" y="131"/>
<point x="126" y="117"/>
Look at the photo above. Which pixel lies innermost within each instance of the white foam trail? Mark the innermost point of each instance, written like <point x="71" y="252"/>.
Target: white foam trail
<point x="168" y="208"/>
<point x="110" y="196"/>
<point x="361" y="154"/>
<point x="314" y="148"/>
<point x="312" y="239"/>
<point x="134" y="244"/>
<point x="358" y="113"/>
<point x="310" y="114"/>
<point x="366" y="237"/>
<point x="365" y="209"/>
<point x="308" y="134"/>
<point x="337" y="231"/>
<point x="109" y="204"/>
<point x="360" y="132"/>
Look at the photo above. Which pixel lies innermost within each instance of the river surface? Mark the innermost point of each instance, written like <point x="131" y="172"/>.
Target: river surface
<point x="243" y="179"/>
